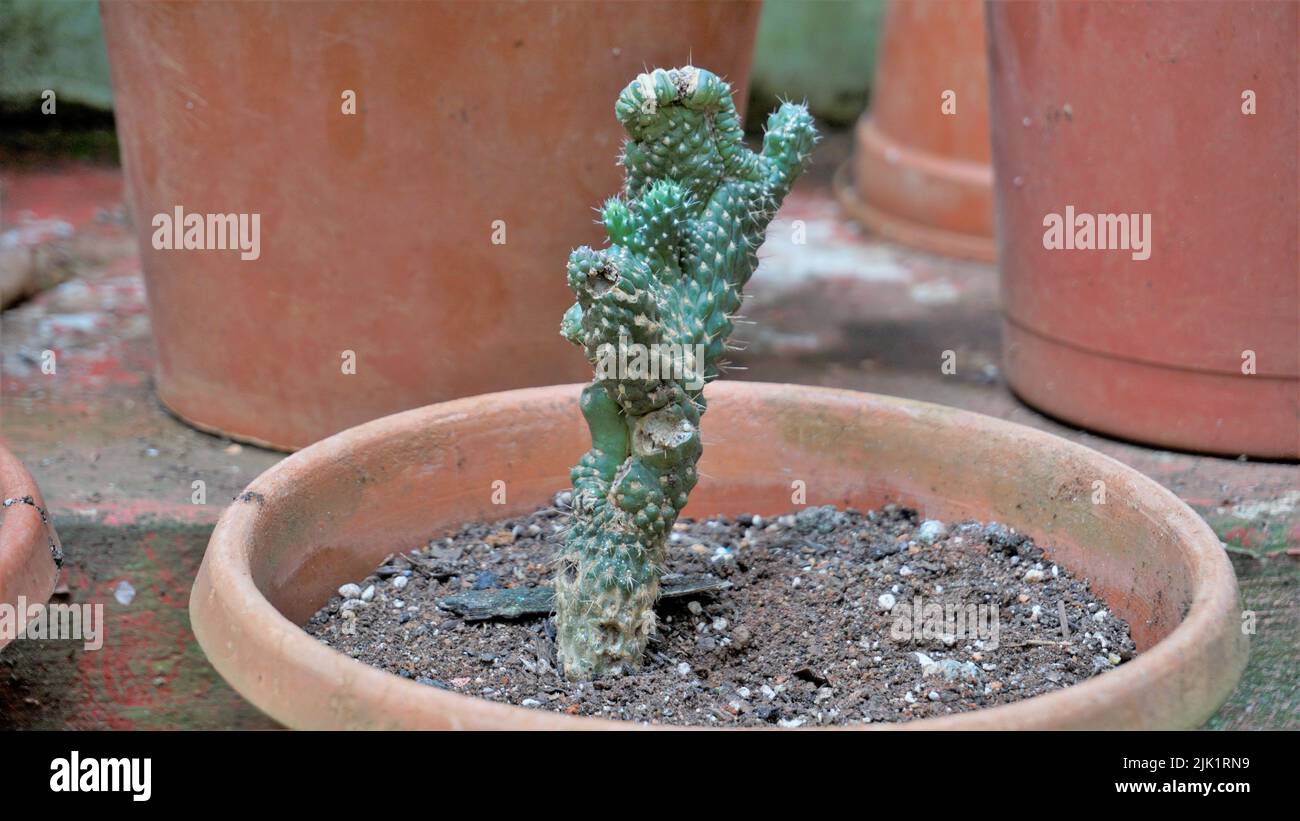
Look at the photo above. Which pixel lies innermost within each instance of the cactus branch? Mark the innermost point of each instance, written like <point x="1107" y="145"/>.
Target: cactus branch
<point x="653" y="313"/>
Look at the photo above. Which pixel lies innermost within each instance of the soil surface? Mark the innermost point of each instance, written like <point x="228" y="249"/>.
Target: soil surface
<point x="832" y="617"/>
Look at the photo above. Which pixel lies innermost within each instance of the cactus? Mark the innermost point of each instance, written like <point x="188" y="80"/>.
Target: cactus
<point x="659" y="302"/>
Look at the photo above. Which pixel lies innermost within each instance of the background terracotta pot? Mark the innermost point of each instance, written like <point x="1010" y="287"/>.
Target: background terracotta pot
<point x="377" y="229"/>
<point x="1138" y="108"/>
<point x="332" y="512"/>
<point x="919" y="176"/>
<point x="28" y="543"/>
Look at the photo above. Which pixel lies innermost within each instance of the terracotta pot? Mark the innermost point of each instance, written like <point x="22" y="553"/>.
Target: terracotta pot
<point x="332" y="512"/>
<point x="377" y="229"/>
<point x="1138" y="109"/>
<point x="920" y="176"/>
<point x="28" y="543"/>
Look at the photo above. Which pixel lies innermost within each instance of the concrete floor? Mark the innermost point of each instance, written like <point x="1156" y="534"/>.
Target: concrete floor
<point x="843" y="310"/>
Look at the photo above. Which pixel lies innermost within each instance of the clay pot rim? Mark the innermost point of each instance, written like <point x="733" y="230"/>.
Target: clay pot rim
<point x="26" y="565"/>
<point x="226" y="574"/>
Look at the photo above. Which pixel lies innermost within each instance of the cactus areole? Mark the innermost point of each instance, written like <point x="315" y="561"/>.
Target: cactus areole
<point x="653" y="313"/>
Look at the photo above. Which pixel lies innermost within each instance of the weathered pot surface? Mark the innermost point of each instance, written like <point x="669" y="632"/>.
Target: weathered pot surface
<point x="332" y="512"/>
<point x="28" y="543"/>
<point x="483" y="133"/>
<point x="1191" y="342"/>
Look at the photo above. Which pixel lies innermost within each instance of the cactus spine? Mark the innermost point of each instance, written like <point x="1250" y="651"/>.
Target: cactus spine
<point x="683" y="240"/>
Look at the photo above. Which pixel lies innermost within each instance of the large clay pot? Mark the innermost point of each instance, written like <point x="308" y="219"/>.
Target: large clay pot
<point x="921" y="176"/>
<point x="29" y="546"/>
<point x="1131" y="108"/>
<point x="377" y="229"/>
<point x="332" y="512"/>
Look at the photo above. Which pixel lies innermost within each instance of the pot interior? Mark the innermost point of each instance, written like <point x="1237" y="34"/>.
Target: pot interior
<point x="333" y="512"/>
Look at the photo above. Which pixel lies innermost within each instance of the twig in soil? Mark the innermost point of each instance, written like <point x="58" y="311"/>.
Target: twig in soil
<point x="478" y="605"/>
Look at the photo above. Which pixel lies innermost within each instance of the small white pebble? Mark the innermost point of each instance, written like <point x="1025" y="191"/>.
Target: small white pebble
<point x="904" y="571"/>
<point x="1034" y="575"/>
<point x="368" y="593"/>
<point x="124" y="593"/>
<point x="1099" y="616"/>
<point x="930" y="531"/>
<point x="887" y="601"/>
<point x="719" y="624"/>
<point x="350" y="591"/>
<point x="683" y="668"/>
<point x="399" y="582"/>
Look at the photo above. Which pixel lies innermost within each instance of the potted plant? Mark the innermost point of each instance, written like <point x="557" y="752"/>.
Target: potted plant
<point x="653" y="315"/>
<point x="683" y="236"/>
<point x="30" y="552"/>
<point x="411" y="165"/>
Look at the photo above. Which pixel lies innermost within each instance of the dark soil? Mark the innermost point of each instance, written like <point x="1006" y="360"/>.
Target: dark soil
<point x="803" y="637"/>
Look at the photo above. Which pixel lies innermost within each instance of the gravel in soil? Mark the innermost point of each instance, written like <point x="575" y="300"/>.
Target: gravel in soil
<point x="833" y="617"/>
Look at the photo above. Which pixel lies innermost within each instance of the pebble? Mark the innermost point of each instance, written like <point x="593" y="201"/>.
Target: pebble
<point x="694" y="608"/>
<point x="399" y="582"/>
<point x="368" y="594"/>
<point x="350" y="591"/>
<point x="530" y="702"/>
<point x="564" y="499"/>
<point x="931" y="531"/>
<point x="887" y="601"/>
<point x="757" y="523"/>
<point x="904" y="571"/>
<point x="767" y="712"/>
<point x="720" y="624"/>
<point x="124" y="593"/>
<point x="1035" y="575"/>
<point x="683" y="669"/>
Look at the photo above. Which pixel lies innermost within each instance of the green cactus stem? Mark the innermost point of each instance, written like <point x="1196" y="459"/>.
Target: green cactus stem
<point x="653" y="313"/>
